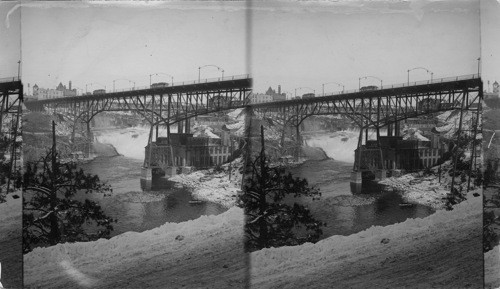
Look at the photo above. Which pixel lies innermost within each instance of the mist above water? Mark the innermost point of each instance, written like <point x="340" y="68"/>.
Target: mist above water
<point x="129" y="142"/>
<point x="338" y="145"/>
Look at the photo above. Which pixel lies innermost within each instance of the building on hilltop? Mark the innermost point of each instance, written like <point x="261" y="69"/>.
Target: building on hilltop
<point x="494" y="93"/>
<point x="44" y="93"/>
<point x="269" y="96"/>
<point x="66" y="91"/>
<point x="260" y="98"/>
<point x="185" y="150"/>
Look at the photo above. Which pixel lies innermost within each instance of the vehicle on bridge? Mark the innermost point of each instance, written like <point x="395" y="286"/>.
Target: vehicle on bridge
<point x="159" y="84"/>
<point x="307" y="95"/>
<point x="368" y="88"/>
<point x="99" y="91"/>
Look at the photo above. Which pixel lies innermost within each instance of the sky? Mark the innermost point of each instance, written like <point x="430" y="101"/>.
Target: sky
<point x="490" y="42"/>
<point x="10" y="49"/>
<point x="94" y="44"/>
<point x="307" y="44"/>
<point x="297" y="44"/>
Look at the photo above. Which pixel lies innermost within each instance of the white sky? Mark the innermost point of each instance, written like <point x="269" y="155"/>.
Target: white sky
<point x="490" y="42"/>
<point x="10" y="49"/>
<point x="303" y="44"/>
<point x="295" y="44"/>
<point x="89" y="43"/>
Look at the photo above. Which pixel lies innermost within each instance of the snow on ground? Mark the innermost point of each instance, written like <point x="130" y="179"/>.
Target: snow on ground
<point x="10" y="211"/>
<point x="202" y="253"/>
<point x="207" y="185"/>
<point x="10" y="241"/>
<point x="425" y="190"/>
<point x="492" y="268"/>
<point x="204" y="131"/>
<point x="443" y="250"/>
<point x="236" y="114"/>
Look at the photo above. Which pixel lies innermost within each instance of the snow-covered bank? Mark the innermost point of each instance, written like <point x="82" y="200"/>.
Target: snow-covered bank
<point x="11" y="241"/>
<point x="10" y="211"/>
<point x="426" y="191"/>
<point x="207" y="185"/>
<point x="202" y="253"/>
<point x="443" y="250"/>
<point x="492" y="268"/>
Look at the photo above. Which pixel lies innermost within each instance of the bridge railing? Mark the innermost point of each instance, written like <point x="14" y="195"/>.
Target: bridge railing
<point x="9" y="79"/>
<point x="179" y="83"/>
<point x="412" y="83"/>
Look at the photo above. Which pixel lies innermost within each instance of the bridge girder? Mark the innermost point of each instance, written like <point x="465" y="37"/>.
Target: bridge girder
<point x="375" y="109"/>
<point x="166" y="106"/>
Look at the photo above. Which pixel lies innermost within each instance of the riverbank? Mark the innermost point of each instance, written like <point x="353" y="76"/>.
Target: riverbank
<point x="217" y="186"/>
<point x="202" y="253"/>
<point x="11" y="257"/>
<point x="426" y="189"/>
<point x="443" y="250"/>
<point x="491" y="268"/>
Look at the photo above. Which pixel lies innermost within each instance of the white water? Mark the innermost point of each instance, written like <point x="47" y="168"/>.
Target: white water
<point x="338" y="145"/>
<point x="129" y="142"/>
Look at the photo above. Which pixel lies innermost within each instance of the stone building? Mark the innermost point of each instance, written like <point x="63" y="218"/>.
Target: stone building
<point x="185" y="150"/>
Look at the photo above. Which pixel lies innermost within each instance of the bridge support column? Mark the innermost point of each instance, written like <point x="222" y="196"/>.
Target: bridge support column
<point x="397" y="128"/>
<point x="356" y="182"/>
<point x="299" y="142"/>
<point x="187" y="128"/>
<point x="88" y="149"/>
<point x="380" y="175"/>
<point x="170" y="171"/>
<point x="147" y="174"/>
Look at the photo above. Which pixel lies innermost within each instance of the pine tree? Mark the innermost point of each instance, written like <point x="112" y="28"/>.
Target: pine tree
<point x="51" y="214"/>
<point x="270" y="221"/>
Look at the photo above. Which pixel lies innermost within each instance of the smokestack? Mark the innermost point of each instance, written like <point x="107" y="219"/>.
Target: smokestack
<point x="279" y="89"/>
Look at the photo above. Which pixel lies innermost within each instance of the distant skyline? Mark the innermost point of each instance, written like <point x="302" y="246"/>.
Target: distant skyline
<point x="97" y="43"/>
<point x="306" y="44"/>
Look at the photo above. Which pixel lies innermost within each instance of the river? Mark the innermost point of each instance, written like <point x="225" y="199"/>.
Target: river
<point x="344" y="213"/>
<point x="134" y="208"/>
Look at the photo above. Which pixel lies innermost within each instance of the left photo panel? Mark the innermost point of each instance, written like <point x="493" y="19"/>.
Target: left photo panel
<point x="11" y="95"/>
<point x="133" y="137"/>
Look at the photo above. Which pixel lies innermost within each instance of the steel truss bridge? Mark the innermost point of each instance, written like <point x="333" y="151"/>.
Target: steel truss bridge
<point x="11" y="90"/>
<point x="375" y="109"/>
<point x="383" y="107"/>
<point x="368" y="109"/>
<point x="160" y="105"/>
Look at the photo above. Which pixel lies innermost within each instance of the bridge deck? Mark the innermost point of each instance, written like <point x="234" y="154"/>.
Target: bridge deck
<point x="232" y="83"/>
<point x="439" y="85"/>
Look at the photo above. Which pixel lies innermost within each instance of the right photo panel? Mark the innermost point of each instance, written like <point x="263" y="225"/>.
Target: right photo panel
<point x="365" y="145"/>
<point x="490" y="47"/>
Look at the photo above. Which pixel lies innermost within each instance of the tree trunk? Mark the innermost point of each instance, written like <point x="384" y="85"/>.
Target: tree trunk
<point x="263" y="235"/>
<point x="54" y="222"/>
